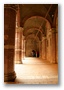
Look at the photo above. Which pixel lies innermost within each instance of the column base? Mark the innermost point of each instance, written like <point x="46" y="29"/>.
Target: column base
<point x="10" y="77"/>
<point x="52" y="62"/>
<point x="18" y="62"/>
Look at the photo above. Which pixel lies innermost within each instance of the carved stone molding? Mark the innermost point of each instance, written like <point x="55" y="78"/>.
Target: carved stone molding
<point x="9" y="47"/>
<point x="9" y="76"/>
<point x="12" y="6"/>
<point x="53" y="30"/>
<point x="19" y="29"/>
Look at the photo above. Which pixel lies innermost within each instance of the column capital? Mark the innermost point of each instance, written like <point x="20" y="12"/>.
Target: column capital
<point x="23" y="37"/>
<point x="43" y="38"/>
<point x="19" y="29"/>
<point x="53" y="30"/>
<point x="11" y="6"/>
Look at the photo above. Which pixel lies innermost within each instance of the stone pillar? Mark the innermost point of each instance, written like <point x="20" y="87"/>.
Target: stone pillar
<point x="23" y="47"/>
<point x="57" y="40"/>
<point x="18" y="44"/>
<point x="43" y="48"/>
<point x="48" y="46"/>
<point x="40" y="49"/>
<point x="9" y="41"/>
<point x="53" y="46"/>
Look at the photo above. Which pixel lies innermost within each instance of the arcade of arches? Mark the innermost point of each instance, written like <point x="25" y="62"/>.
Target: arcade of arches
<point x="30" y="34"/>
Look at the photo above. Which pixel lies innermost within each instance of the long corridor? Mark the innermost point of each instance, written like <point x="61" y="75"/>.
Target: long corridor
<point x="31" y="31"/>
<point x="36" y="71"/>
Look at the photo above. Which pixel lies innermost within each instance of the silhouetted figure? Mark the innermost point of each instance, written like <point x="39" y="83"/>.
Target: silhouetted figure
<point x="33" y="53"/>
<point x="37" y="54"/>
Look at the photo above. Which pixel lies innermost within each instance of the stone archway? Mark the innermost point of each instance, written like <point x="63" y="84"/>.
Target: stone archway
<point x="31" y="43"/>
<point x="38" y="27"/>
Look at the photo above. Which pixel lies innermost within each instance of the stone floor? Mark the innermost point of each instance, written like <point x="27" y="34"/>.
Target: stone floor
<point x="36" y="71"/>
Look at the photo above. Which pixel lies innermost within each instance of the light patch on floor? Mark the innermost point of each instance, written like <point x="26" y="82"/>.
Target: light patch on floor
<point x="36" y="71"/>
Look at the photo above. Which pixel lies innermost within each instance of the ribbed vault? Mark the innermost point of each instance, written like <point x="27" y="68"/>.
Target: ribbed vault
<point x="29" y="10"/>
<point x="35" y="25"/>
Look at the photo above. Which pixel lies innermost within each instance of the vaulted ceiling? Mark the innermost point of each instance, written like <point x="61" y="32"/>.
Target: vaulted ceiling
<point x="33" y="17"/>
<point x="29" y="10"/>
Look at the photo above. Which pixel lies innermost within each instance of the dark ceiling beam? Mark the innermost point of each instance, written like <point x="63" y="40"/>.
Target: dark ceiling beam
<point x="44" y="17"/>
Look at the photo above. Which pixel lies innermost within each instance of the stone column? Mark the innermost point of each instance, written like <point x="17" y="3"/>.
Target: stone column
<point x="23" y="47"/>
<point x="18" y="44"/>
<point x="40" y="49"/>
<point x="56" y="47"/>
<point x="43" y="48"/>
<point x="9" y="41"/>
<point x="48" y="46"/>
<point x="57" y="40"/>
<point x="53" y="46"/>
